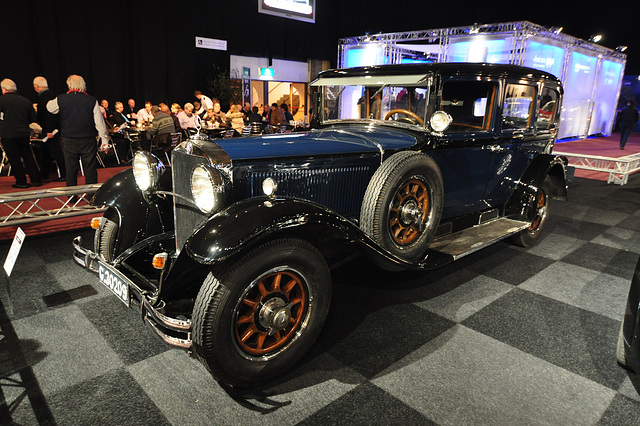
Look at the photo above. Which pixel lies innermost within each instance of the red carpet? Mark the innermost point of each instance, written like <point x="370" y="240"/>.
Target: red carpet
<point x="607" y="146"/>
<point x="49" y="226"/>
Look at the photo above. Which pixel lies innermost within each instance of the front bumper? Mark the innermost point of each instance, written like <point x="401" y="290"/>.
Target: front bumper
<point x="176" y="332"/>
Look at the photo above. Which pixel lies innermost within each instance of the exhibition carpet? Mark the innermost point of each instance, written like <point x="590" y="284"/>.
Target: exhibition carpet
<point x="605" y="146"/>
<point x="48" y="226"/>
<point x="504" y="336"/>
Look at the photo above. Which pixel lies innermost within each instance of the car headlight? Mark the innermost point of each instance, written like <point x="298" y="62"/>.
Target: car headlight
<point x="207" y="188"/>
<point x="147" y="170"/>
<point x="440" y="121"/>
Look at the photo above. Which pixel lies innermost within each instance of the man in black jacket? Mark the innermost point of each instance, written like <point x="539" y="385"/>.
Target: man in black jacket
<point x="16" y="114"/>
<point x="626" y="120"/>
<point x="80" y="123"/>
<point x="51" y="149"/>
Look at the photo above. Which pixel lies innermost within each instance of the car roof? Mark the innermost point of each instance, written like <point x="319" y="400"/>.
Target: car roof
<point x="448" y="68"/>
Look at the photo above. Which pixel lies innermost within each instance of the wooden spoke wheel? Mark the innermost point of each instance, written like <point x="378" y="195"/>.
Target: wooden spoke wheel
<point x="256" y="316"/>
<point x="409" y="211"/>
<point x="270" y="312"/>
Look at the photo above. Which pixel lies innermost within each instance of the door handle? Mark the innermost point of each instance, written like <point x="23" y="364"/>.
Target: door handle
<point x="495" y="148"/>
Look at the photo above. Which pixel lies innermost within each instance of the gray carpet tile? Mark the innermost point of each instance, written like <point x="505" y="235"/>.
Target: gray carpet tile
<point x="363" y="406"/>
<point x="114" y="398"/>
<point x="569" y="337"/>
<point x="503" y="336"/>
<point x="466" y="377"/>
<point x="75" y="350"/>
<point x="125" y="333"/>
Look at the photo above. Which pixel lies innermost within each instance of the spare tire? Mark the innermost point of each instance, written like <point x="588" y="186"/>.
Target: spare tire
<point x="403" y="203"/>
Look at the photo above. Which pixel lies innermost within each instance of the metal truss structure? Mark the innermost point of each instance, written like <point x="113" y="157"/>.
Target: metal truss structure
<point x="46" y="204"/>
<point x="442" y="37"/>
<point x="618" y="169"/>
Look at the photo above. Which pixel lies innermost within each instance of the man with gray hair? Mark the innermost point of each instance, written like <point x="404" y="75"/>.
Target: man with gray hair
<point x="51" y="149"/>
<point x="80" y="123"/>
<point x="16" y="114"/>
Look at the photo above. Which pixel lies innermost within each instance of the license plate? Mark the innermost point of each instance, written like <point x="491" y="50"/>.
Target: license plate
<point x="114" y="282"/>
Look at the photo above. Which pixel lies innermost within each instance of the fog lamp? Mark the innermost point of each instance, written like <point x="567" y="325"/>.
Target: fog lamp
<point x="269" y="187"/>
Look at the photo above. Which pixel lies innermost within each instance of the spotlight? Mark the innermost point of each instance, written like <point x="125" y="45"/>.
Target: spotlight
<point x="621" y="49"/>
<point x="556" y="30"/>
<point x="475" y="29"/>
<point x="595" y="38"/>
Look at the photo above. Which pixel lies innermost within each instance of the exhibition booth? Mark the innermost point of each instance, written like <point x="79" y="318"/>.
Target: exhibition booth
<point x="591" y="74"/>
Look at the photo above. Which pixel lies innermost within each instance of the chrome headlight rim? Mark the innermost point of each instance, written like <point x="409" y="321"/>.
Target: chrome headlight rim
<point x="147" y="169"/>
<point x="207" y="188"/>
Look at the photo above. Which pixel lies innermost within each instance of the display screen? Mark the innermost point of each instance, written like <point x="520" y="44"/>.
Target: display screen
<point x="302" y="10"/>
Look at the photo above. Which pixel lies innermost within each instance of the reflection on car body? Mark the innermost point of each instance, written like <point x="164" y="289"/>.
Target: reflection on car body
<point x="228" y="251"/>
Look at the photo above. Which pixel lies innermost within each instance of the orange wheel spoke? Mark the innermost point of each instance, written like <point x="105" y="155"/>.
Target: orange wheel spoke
<point x="260" y="341"/>
<point x="245" y="319"/>
<point x="261" y="288"/>
<point x="248" y="333"/>
<point x="251" y="303"/>
<point x="288" y="287"/>
<point x="275" y="286"/>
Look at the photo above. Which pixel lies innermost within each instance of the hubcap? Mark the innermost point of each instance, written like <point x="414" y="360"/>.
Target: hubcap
<point x="409" y="211"/>
<point x="270" y="313"/>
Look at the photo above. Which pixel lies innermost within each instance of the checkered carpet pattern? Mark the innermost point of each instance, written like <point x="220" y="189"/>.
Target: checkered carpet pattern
<point x="503" y="336"/>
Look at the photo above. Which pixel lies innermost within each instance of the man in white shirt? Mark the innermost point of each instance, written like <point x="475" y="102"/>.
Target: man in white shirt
<point x="205" y="102"/>
<point x="186" y="117"/>
<point x="145" y="113"/>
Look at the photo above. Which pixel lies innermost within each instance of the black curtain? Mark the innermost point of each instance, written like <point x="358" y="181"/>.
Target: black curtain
<point x="146" y="50"/>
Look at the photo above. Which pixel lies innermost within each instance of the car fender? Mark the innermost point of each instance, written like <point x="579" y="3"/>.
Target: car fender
<point x="138" y="216"/>
<point x="250" y="222"/>
<point x="533" y="177"/>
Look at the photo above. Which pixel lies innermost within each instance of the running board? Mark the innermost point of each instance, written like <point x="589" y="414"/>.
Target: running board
<point x="472" y="239"/>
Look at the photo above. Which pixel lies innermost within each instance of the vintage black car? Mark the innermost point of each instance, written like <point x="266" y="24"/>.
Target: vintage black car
<point x="228" y="249"/>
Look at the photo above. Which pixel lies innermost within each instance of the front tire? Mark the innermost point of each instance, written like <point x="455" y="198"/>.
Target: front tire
<point x="106" y="237"/>
<point x="254" y="319"/>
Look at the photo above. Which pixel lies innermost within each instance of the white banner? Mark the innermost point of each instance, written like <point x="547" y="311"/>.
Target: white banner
<point x="211" y="43"/>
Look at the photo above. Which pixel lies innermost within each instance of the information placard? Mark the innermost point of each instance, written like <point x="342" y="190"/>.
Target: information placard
<point x="16" y="245"/>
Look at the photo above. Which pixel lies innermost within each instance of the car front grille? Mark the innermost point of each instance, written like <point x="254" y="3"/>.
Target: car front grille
<point x="339" y="188"/>
<point x="187" y="216"/>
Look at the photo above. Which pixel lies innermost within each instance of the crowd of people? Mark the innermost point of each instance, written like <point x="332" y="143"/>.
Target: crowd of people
<point x="74" y="127"/>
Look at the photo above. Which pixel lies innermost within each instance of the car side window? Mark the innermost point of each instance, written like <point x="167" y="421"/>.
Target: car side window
<point x="470" y="104"/>
<point x="518" y="106"/>
<point x="547" y="109"/>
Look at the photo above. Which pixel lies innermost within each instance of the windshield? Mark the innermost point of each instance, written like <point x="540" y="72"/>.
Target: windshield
<point x="400" y="103"/>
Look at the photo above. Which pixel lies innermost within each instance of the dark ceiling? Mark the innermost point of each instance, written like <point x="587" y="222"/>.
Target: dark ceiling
<point x="146" y="49"/>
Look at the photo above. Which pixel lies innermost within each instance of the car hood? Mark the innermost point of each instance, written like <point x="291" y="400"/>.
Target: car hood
<point x="343" y="140"/>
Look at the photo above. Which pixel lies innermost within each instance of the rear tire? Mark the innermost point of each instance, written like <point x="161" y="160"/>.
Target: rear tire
<point x="539" y="225"/>
<point x="255" y="319"/>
